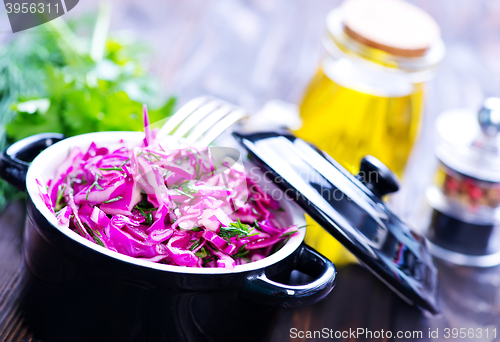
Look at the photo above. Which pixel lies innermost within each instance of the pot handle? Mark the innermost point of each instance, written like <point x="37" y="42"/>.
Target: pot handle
<point x="259" y="287"/>
<point x="16" y="159"/>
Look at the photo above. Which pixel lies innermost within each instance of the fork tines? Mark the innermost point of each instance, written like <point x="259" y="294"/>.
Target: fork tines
<point x="202" y="120"/>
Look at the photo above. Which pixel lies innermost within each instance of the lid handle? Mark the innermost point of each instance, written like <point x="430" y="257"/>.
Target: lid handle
<point x="489" y="117"/>
<point x="377" y="177"/>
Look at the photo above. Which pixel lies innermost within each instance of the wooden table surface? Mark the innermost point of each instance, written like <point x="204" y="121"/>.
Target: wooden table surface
<point x="249" y="52"/>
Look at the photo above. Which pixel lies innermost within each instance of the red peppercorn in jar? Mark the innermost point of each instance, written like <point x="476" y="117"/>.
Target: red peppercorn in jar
<point x="468" y="191"/>
<point x="465" y="224"/>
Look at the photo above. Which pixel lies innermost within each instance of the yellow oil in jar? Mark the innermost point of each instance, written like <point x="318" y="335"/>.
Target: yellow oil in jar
<point x="350" y="114"/>
<point x="349" y="124"/>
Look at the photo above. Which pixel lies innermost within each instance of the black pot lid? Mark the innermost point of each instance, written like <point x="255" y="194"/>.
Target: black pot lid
<point x="351" y="210"/>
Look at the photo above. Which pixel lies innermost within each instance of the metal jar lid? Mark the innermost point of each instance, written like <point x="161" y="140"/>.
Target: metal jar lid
<point x="469" y="142"/>
<point x="462" y="231"/>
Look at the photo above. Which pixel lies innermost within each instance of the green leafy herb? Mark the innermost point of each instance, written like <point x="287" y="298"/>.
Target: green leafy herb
<point x="74" y="77"/>
<point x="184" y="193"/>
<point x="141" y="211"/>
<point x="288" y="234"/>
<point x="149" y="154"/>
<point x="112" y="169"/>
<point x="96" y="184"/>
<point x="125" y="162"/>
<point x="256" y="224"/>
<point x="197" y="164"/>
<point x="241" y="252"/>
<point x="187" y="187"/>
<point x="149" y="218"/>
<point x="60" y="193"/>
<point x="283" y="242"/>
<point x="79" y="228"/>
<point x="144" y="204"/>
<point x="196" y="244"/>
<point x="206" y="261"/>
<point x="256" y="212"/>
<point x="62" y="84"/>
<point x="94" y="234"/>
<point x="147" y="213"/>
<point x="117" y="198"/>
<point x="202" y="253"/>
<point x="236" y="229"/>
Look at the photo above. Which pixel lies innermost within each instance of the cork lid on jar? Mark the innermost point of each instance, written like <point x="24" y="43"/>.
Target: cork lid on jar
<point x="393" y="26"/>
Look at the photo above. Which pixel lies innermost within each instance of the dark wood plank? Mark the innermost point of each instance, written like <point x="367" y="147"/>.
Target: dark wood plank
<point x="11" y="225"/>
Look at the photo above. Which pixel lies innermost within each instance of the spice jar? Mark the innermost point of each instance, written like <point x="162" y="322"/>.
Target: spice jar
<point x="367" y="96"/>
<point x="465" y="197"/>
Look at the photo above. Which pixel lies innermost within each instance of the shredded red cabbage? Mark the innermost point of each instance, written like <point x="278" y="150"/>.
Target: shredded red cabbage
<point x="173" y="206"/>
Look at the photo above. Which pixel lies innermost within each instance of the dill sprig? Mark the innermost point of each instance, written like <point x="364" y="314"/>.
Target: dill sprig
<point x="195" y="245"/>
<point x="112" y="169"/>
<point x="236" y="229"/>
<point x="95" y="184"/>
<point x="206" y="261"/>
<point x="94" y="234"/>
<point x="202" y="253"/>
<point x="242" y="251"/>
<point x="60" y="194"/>
<point x="184" y="193"/>
<point x="146" y="154"/>
<point x="117" y="198"/>
<point x="146" y="209"/>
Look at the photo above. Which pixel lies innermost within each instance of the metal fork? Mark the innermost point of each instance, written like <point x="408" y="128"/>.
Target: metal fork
<point x="201" y="120"/>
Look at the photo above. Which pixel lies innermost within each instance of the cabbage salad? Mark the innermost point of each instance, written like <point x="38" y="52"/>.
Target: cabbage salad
<point x="173" y="205"/>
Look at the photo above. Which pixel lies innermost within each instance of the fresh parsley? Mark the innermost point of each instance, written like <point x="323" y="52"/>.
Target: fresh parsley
<point x="74" y="77"/>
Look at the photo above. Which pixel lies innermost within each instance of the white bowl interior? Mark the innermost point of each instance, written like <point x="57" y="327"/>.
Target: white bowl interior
<point x="45" y="164"/>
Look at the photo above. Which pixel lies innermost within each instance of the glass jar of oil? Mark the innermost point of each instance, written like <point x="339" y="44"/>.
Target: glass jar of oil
<point x="367" y="95"/>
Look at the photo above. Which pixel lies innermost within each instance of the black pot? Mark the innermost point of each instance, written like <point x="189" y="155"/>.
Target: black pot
<point x="79" y="291"/>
